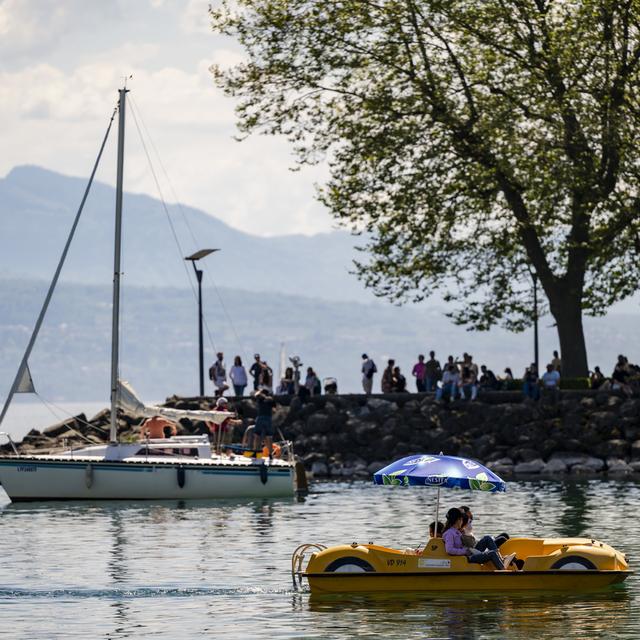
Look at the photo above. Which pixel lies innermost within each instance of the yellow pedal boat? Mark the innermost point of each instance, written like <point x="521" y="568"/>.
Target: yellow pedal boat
<point x="566" y="564"/>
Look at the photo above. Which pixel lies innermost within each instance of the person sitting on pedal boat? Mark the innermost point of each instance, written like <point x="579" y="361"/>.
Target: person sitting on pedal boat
<point x="432" y="529"/>
<point x="454" y="546"/>
<point x="469" y="540"/>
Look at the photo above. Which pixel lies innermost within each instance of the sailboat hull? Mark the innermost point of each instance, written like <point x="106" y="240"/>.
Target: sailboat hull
<point x="30" y="479"/>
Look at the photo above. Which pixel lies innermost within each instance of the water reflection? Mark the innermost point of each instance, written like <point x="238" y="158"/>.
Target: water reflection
<point x="117" y="563"/>
<point x="118" y="571"/>
<point x="573" y="522"/>
<point x="471" y="616"/>
<point x="110" y="505"/>
<point x="122" y="624"/>
<point x="263" y="520"/>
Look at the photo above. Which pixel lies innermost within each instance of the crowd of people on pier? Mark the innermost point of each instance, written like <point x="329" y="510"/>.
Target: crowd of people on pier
<point x="457" y="378"/>
<point x="462" y="378"/>
<point x="454" y="378"/>
<point x="261" y="375"/>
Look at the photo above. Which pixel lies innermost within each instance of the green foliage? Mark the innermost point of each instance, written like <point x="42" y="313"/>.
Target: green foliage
<point x="467" y="138"/>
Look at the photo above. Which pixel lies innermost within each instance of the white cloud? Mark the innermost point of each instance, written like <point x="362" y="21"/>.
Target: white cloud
<point x="30" y="26"/>
<point x="195" y="18"/>
<point x="248" y="184"/>
<point x="21" y="26"/>
<point x="139" y="54"/>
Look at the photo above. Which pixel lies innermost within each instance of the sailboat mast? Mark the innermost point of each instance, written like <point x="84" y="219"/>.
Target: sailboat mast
<point x="115" y="326"/>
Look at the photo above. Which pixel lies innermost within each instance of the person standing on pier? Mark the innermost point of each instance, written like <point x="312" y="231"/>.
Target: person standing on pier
<point x="420" y="373"/>
<point x="266" y="376"/>
<point x="238" y="375"/>
<point x="218" y="375"/>
<point x="556" y="362"/>
<point x="387" y="377"/>
<point x="256" y="371"/>
<point x="433" y="372"/>
<point x="368" y="369"/>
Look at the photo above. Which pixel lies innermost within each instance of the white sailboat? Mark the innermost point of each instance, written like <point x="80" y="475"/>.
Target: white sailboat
<point x="178" y="467"/>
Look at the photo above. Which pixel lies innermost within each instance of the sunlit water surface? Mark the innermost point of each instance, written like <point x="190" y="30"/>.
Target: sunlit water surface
<point x="221" y="569"/>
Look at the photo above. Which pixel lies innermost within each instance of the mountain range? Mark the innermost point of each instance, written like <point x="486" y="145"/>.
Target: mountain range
<point x="258" y="294"/>
<point x="37" y="208"/>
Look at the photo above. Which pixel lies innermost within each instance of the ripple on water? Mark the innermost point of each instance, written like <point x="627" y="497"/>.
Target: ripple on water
<point x="172" y="569"/>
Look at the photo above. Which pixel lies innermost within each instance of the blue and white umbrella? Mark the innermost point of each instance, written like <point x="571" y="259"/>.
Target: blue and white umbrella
<point x="440" y="471"/>
<point x="448" y="472"/>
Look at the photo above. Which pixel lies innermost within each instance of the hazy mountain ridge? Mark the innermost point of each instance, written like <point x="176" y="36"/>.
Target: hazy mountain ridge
<point x="37" y="207"/>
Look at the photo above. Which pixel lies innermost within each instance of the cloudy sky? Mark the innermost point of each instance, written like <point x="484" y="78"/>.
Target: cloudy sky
<point x="61" y="63"/>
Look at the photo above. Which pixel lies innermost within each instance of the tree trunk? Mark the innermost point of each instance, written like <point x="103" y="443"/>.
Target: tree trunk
<point x="567" y="313"/>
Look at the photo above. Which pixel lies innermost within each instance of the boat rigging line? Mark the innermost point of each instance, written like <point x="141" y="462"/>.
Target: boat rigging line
<point x="51" y="407"/>
<point x="136" y="113"/>
<point x="209" y="276"/>
<point x="23" y="370"/>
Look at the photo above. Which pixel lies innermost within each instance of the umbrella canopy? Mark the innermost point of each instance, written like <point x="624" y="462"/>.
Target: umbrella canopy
<point x="449" y="472"/>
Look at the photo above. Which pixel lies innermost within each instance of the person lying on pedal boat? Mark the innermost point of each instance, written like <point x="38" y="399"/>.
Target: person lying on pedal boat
<point x="485" y="550"/>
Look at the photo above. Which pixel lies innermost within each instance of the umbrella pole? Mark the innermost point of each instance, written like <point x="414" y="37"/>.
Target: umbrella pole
<point x="435" y="526"/>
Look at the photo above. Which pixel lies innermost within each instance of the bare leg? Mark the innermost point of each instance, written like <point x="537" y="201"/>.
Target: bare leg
<point x="247" y="437"/>
<point x="268" y="440"/>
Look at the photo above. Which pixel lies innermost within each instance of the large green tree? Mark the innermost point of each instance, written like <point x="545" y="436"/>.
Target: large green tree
<point x="472" y="140"/>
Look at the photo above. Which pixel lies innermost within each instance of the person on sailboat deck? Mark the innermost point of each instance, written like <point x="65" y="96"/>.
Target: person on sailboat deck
<point x="223" y="432"/>
<point x="432" y="530"/>
<point x="247" y="436"/>
<point x="263" y="430"/>
<point x="158" y="427"/>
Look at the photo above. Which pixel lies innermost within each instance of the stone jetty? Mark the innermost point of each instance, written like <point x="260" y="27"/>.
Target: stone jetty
<point x="350" y="436"/>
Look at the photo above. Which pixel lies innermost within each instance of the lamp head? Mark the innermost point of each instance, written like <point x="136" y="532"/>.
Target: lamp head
<point x="198" y="255"/>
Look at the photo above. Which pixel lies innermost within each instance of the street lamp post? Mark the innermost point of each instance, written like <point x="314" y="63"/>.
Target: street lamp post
<point x="534" y="276"/>
<point x="198" y="255"/>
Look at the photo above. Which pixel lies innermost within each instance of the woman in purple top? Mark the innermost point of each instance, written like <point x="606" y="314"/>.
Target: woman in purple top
<point x="420" y="373"/>
<point x="453" y="545"/>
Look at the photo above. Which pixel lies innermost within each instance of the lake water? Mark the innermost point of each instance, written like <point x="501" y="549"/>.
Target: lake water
<point x="222" y="569"/>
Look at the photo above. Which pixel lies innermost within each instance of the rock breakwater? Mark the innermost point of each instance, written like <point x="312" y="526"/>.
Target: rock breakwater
<point x="347" y="436"/>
